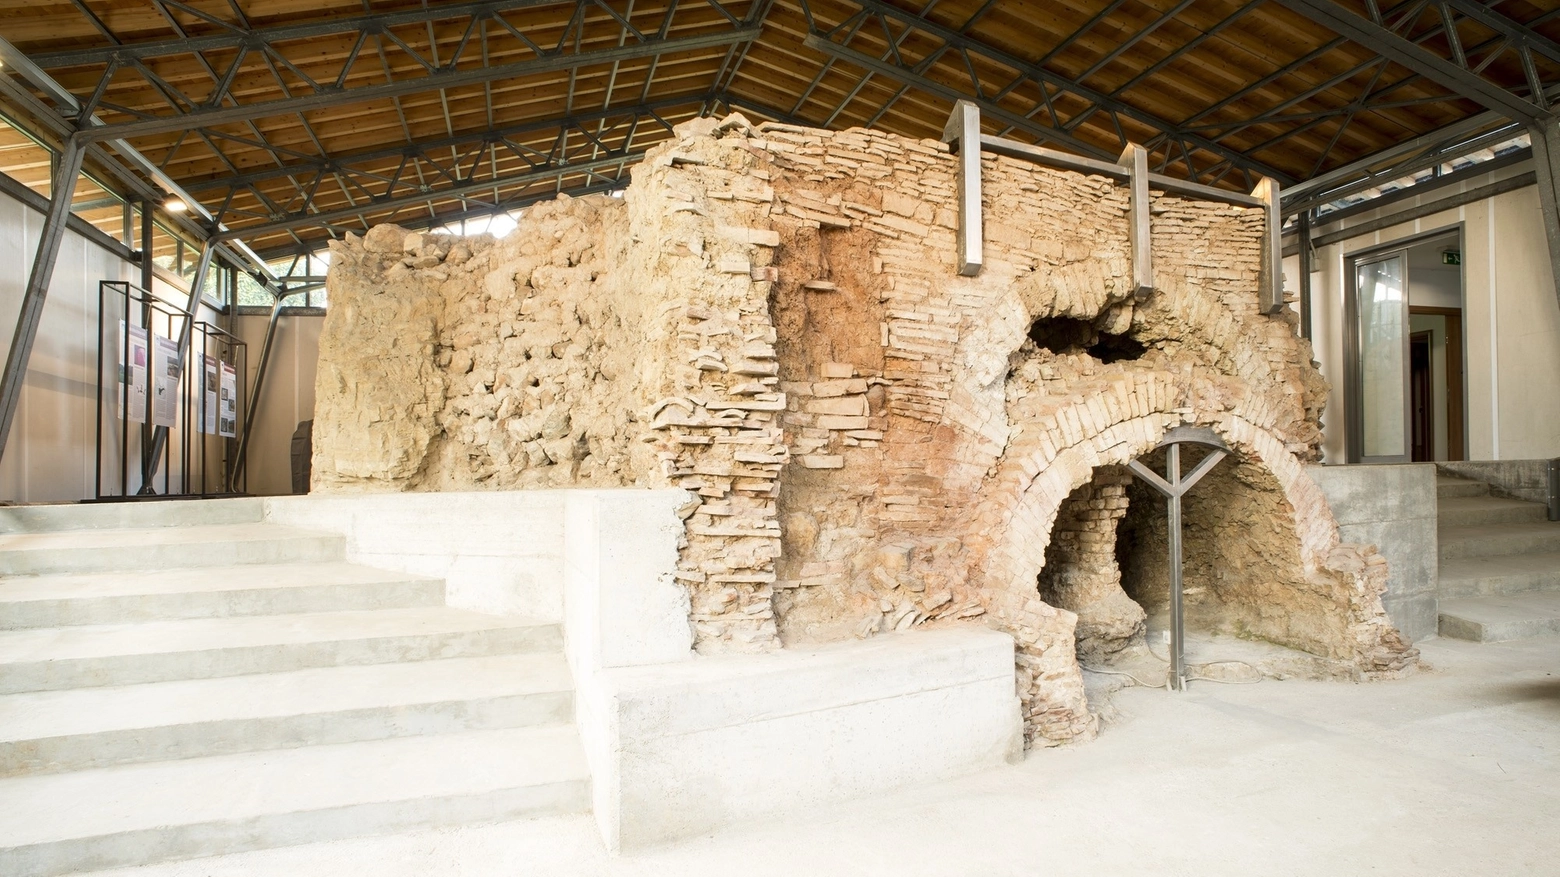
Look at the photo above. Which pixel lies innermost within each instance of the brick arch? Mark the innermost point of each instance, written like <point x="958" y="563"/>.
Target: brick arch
<point x="1023" y="501"/>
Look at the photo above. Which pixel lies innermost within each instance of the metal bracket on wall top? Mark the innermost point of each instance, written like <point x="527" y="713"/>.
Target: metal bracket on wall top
<point x="963" y="128"/>
<point x="1174" y="486"/>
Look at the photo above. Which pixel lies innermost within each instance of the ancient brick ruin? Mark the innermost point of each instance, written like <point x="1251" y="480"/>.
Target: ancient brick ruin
<point x="770" y="318"/>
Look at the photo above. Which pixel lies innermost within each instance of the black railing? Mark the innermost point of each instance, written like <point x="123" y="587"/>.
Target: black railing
<point x="145" y="382"/>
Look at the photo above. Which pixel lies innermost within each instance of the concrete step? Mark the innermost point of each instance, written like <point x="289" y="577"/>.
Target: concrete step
<point x="1495" y="540"/>
<point x="1501" y="619"/>
<point x="1468" y="511"/>
<point x="1447" y="487"/>
<point x="207" y="592"/>
<point x="160" y="548"/>
<point x="138" y="514"/>
<point x="144" y="813"/>
<point x="58" y="658"/>
<point x="1495" y="576"/>
<point x="53" y="731"/>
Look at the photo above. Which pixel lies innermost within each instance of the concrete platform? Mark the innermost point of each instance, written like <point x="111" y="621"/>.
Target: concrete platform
<point x="157" y="548"/>
<point x="46" y="659"/>
<point x="210" y="592"/>
<point x="52" y="731"/>
<point x="174" y="809"/>
<point x="140" y="514"/>
<point x="1491" y="540"/>
<point x="1471" y="511"/>
<point x="1452" y="772"/>
<point x="1494" y="576"/>
<point x="1502" y="618"/>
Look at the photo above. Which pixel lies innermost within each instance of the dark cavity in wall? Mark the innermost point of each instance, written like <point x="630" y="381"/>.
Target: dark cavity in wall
<point x="1070" y="335"/>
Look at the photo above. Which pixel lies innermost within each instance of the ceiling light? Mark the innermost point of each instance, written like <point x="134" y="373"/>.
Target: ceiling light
<point x="175" y="205"/>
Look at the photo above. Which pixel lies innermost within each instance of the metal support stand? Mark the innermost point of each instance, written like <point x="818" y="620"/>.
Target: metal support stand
<point x="1135" y="159"/>
<point x="1270" y="277"/>
<point x="67" y="170"/>
<point x="1546" y="168"/>
<point x="1305" y="274"/>
<point x="1554" y="489"/>
<point x="962" y="133"/>
<point x="1173" y="486"/>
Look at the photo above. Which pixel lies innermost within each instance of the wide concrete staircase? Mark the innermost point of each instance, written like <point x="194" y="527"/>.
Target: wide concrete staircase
<point x="1500" y="565"/>
<point x="180" y="679"/>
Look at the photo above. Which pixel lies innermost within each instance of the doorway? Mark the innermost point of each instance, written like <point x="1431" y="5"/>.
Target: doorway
<point x="1404" y="363"/>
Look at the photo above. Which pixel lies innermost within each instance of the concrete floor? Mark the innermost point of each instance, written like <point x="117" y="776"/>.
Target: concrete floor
<point x="1455" y="771"/>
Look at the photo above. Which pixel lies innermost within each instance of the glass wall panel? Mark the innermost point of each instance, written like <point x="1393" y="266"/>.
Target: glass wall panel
<point x="1383" y="326"/>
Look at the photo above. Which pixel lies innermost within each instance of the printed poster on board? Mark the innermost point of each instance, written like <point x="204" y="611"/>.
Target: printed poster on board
<point x="227" y="421"/>
<point x="166" y="369"/>
<point x="208" y="394"/>
<point x="132" y="373"/>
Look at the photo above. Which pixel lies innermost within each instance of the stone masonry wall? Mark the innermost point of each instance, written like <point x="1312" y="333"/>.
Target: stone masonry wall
<point x="769" y="318"/>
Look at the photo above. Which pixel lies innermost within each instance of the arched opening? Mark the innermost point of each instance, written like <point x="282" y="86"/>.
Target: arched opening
<point x="1106" y="561"/>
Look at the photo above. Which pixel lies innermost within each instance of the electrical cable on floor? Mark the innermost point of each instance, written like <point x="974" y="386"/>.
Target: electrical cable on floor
<point x="1116" y="673"/>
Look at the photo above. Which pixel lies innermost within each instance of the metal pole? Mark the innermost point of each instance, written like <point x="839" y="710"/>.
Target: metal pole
<point x="1554" y="489"/>
<point x="160" y="434"/>
<point x="1177" y="622"/>
<point x="1546" y="168"/>
<point x="963" y="129"/>
<point x="240" y="458"/>
<point x="67" y="170"/>
<point x="1305" y="274"/>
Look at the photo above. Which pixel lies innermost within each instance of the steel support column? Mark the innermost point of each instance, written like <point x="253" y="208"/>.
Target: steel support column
<point x="1172" y="487"/>
<point x="1305" y="275"/>
<point x="963" y="134"/>
<point x="67" y="170"/>
<point x="241" y="458"/>
<point x="1546" y="169"/>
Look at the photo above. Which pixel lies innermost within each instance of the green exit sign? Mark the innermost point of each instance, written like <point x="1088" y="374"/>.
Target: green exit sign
<point x="1451" y="257"/>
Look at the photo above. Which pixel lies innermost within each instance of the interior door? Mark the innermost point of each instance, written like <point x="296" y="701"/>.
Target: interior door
<point x="1382" y="358"/>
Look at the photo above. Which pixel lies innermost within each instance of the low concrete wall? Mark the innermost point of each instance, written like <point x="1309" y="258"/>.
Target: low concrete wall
<point x="677" y="743"/>
<point x="699" y="744"/>
<point x="1516" y="479"/>
<point x="680" y="744"/>
<point x="1394" y="508"/>
<point x="498" y="552"/>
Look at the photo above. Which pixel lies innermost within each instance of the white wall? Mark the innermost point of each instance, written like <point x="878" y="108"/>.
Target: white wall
<point x="49" y="454"/>
<point x="49" y="457"/>
<point x="286" y="399"/>
<point x="1510" y="319"/>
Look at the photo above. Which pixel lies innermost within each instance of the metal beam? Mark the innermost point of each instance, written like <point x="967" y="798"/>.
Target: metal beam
<point x="256" y="39"/>
<point x="953" y="95"/>
<point x="442" y="78"/>
<point x="343" y="163"/>
<point x="1270" y="277"/>
<point x="1460" y="80"/>
<point x="963" y="134"/>
<point x="1043" y="77"/>
<point x="543" y="174"/>
<point x="1546" y="172"/>
<point x="67" y="170"/>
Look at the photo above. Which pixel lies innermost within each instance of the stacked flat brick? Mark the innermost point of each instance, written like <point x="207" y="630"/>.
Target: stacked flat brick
<point x="769" y="318"/>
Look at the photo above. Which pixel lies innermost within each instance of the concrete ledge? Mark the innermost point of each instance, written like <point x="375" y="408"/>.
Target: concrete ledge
<point x="699" y="744"/>
<point x="1518" y="479"/>
<point x="498" y="552"/>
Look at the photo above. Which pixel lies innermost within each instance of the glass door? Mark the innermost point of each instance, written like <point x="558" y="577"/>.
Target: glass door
<point x="1381" y="360"/>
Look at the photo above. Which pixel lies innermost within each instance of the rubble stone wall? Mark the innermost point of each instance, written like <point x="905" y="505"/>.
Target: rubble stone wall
<point x="769" y="318"/>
